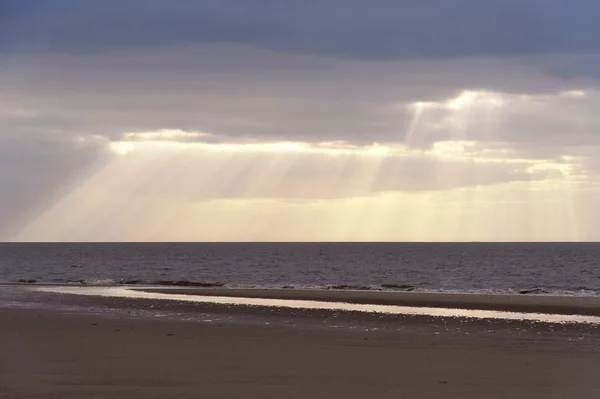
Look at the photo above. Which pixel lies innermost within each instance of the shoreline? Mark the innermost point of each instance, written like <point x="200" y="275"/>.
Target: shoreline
<point x="566" y="305"/>
<point x="125" y="301"/>
<point x="512" y="303"/>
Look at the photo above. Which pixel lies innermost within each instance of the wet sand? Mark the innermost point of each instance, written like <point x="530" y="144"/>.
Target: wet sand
<point x="512" y="303"/>
<point x="48" y="355"/>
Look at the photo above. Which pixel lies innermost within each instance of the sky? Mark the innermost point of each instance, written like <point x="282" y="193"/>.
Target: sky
<point x="299" y="120"/>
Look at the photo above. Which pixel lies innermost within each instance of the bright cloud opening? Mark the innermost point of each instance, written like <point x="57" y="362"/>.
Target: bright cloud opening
<point x="164" y="135"/>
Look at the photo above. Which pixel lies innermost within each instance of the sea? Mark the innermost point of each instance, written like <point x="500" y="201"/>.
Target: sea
<point x="503" y="268"/>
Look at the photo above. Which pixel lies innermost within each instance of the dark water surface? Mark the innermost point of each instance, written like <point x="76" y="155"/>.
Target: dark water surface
<point x="557" y="268"/>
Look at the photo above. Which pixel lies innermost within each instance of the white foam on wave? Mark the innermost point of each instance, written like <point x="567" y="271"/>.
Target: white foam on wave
<point x="122" y="292"/>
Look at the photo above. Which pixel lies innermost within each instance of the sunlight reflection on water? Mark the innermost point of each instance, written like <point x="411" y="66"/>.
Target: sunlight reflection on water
<point x="120" y="292"/>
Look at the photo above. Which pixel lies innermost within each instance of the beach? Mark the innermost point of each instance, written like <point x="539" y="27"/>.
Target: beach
<point x="583" y="305"/>
<point x="52" y="354"/>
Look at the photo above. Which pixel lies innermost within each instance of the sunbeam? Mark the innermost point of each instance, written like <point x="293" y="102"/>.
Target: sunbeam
<point x="445" y="181"/>
<point x="418" y="109"/>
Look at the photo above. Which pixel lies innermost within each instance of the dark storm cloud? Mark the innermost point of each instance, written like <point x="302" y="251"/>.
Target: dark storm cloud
<point x="377" y="29"/>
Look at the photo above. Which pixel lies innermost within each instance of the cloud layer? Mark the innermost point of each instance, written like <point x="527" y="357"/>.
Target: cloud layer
<point x="287" y="100"/>
<point x="380" y="29"/>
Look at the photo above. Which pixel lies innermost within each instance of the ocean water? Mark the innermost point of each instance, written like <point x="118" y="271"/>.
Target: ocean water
<point x="542" y="268"/>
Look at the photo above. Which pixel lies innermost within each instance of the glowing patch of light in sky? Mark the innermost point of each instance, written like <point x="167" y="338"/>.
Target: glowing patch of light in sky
<point x="164" y="134"/>
<point x="418" y="109"/>
<point x="463" y="100"/>
<point x="122" y="147"/>
<point x="574" y="93"/>
<point x="445" y="148"/>
<point x="170" y="184"/>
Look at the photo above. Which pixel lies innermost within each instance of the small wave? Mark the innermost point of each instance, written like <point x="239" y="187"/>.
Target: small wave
<point x="584" y="289"/>
<point x="392" y="287"/>
<point x="62" y="281"/>
<point x="186" y="283"/>
<point x="350" y="287"/>
<point x="536" y="290"/>
<point x="27" y="281"/>
<point x="100" y="281"/>
<point x="93" y="282"/>
<point x="403" y="287"/>
<point x="129" y="281"/>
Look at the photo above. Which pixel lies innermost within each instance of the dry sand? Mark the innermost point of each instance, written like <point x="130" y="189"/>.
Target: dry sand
<point x="48" y="355"/>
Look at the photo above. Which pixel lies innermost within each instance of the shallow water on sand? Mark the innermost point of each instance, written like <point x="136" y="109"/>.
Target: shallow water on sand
<point x="120" y="292"/>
